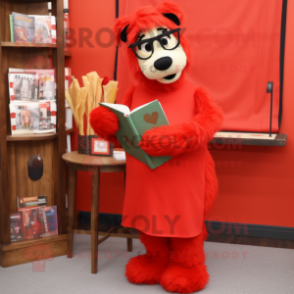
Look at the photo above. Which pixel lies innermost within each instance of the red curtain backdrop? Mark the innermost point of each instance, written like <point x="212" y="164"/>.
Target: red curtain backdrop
<point x="236" y="51"/>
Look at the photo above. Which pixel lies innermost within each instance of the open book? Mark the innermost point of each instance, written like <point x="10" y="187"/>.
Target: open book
<point x="133" y="124"/>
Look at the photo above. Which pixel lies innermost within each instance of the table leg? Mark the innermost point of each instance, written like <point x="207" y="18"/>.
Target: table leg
<point x="95" y="218"/>
<point x="76" y="220"/>
<point x="71" y="209"/>
<point x="130" y="242"/>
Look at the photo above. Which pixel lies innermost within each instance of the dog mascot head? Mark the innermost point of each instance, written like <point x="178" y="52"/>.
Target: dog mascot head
<point x="158" y="53"/>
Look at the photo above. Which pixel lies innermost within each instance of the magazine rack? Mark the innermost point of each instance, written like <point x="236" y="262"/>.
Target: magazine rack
<point x="16" y="150"/>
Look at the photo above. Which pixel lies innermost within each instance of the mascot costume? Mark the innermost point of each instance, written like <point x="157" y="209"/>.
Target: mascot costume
<point x="166" y="205"/>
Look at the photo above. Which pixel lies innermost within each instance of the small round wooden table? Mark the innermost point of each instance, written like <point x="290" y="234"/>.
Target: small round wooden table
<point x="95" y="165"/>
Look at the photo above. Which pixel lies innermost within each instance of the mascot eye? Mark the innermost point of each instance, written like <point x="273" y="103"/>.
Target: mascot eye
<point x="169" y="42"/>
<point x="144" y="50"/>
<point x="146" y="47"/>
<point x="165" y="41"/>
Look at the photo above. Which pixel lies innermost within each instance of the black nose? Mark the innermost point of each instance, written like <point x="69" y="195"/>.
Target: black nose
<point x="163" y="63"/>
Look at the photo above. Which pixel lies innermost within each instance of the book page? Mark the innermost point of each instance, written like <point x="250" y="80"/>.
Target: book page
<point x="119" y="107"/>
<point x="138" y="108"/>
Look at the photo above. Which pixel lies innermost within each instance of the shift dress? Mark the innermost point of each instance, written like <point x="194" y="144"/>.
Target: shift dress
<point x="169" y="200"/>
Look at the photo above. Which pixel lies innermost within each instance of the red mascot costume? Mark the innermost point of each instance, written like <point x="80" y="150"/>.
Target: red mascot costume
<point x="168" y="204"/>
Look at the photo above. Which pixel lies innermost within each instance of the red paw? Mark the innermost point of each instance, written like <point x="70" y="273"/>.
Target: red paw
<point x="157" y="142"/>
<point x="168" y="140"/>
<point x="104" y="123"/>
<point x="184" y="280"/>
<point x="144" y="270"/>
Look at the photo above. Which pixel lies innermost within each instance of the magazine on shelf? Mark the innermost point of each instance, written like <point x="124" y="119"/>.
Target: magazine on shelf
<point x="35" y="201"/>
<point x="16" y="228"/>
<point x="23" y="86"/>
<point x="41" y="220"/>
<point x="48" y="71"/>
<point x="32" y="28"/>
<point x="24" y="117"/>
<point x="31" y="223"/>
<point x="45" y="79"/>
<point x="27" y="117"/>
<point x="23" y="29"/>
<point x="45" y="28"/>
<point x="53" y="30"/>
<point x="47" y="88"/>
<point x="11" y="28"/>
<point x="45" y="122"/>
<point x="65" y="5"/>
<point x="68" y="77"/>
<point x="50" y="221"/>
<point x="42" y="28"/>
<point x="66" y="30"/>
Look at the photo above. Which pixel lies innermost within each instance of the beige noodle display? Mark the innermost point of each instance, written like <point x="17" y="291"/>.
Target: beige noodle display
<point x="82" y="100"/>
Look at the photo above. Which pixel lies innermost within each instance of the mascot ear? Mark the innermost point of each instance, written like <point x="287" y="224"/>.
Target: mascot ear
<point x="171" y="11"/>
<point x="123" y="34"/>
<point x="173" y="18"/>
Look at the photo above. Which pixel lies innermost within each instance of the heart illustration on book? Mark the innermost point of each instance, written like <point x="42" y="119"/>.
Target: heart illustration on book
<point x="151" y="119"/>
<point x="129" y="141"/>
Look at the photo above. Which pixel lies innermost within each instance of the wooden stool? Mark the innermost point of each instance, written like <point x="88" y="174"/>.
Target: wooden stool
<point x="95" y="165"/>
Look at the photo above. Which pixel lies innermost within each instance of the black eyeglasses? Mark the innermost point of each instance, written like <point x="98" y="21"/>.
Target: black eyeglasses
<point x="144" y="49"/>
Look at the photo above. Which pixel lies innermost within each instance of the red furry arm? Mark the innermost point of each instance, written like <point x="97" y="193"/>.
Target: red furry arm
<point x="176" y="139"/>
<point x="127" y="100"/>
<point x="105" y="123"/>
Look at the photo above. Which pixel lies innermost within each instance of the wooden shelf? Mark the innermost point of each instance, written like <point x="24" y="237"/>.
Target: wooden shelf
<point x="280" y="140"/>
<point x="27" y="44"/>
<point x="26" y="243"/>
<point x="16" y="150"/>
<point x="15" y="253"/>
<point x="67" y="54"/>
<point x="31" y="137"/>
<point x="69" y="131"/>
<point x="29" y="1"/>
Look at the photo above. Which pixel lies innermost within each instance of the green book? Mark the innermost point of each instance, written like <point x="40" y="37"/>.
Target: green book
<point x="11" y="28"/>
<point x="133" y="124"/>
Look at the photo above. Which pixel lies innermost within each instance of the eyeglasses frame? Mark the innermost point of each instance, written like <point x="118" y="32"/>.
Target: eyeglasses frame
<point x="156" y="38"/>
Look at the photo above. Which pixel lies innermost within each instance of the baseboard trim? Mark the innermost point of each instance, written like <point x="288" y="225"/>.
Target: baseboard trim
<point x="213" y="227"/>
<point x="251" y="230"/>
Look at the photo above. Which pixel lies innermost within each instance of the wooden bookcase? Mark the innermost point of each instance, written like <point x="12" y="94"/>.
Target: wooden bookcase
<point x="16" y="150"/>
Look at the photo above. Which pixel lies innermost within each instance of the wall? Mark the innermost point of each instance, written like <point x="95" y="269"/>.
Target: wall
<point x="256" y="183"/>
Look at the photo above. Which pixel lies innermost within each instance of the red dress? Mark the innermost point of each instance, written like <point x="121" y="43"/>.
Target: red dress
<point x="169" y="200"/>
